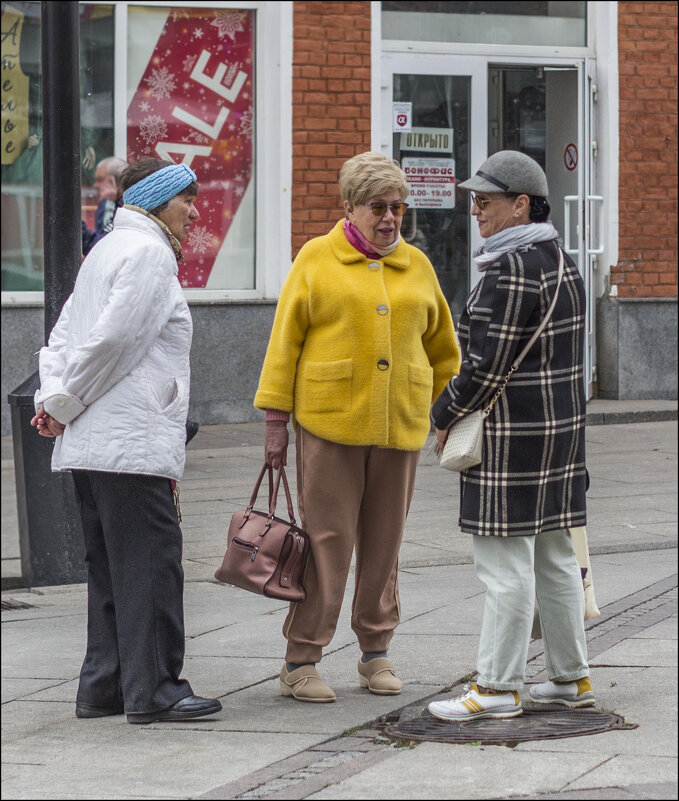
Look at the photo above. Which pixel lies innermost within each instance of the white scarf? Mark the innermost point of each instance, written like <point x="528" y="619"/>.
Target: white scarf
<point x="385" y="251"/>
<point x="518" y="237"/>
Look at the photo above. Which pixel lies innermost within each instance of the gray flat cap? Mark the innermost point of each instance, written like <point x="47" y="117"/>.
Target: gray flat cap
<point x="508" y="171"/>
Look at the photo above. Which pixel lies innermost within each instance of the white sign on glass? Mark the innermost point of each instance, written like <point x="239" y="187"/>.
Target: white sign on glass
<point x="402" y="116"/>
<point x="431" y="140"/>
<point x="431" y="182"/>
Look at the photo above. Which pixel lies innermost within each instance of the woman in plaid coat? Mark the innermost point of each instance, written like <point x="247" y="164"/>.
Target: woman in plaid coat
<point x="529" y="490"/>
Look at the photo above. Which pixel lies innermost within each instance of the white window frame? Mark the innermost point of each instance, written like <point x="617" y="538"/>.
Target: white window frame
<point x="273" y="144"/>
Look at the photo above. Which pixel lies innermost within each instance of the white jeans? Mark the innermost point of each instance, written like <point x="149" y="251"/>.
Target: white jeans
<point x="515" y="570"/>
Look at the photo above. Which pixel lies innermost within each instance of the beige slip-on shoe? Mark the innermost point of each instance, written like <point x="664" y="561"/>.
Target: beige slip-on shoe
<point x="379" y="676"/>
<point x="305" y="684"/>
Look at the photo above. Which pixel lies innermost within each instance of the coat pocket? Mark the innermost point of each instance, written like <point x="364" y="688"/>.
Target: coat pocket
<point x="326" y="386"/>
<point x="421" y="383"/>
<point x="174" y="400"/>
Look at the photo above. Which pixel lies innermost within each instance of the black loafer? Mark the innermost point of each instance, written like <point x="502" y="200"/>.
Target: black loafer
<point x="90" y="711"/>
<point x="193" y="706"/>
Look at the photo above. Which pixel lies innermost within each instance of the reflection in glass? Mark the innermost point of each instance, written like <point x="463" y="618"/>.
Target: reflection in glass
<point x="22" y="135"/>
<point x="22" y="253"/>
<point x="437" y="223"/>
<point x="531" y="23"/>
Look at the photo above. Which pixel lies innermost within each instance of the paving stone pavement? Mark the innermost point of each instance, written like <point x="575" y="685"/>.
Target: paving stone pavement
<point x="264" y="746"/>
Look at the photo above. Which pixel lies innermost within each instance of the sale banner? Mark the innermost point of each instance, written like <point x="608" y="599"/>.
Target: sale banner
<point x="195" y="104"/>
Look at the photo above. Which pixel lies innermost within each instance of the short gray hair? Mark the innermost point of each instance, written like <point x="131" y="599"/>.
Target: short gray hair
<point x="369" y="174"/>
<point x="114" y="166"/>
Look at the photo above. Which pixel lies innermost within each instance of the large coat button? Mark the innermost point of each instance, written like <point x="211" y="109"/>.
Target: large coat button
<point x="383" y="364"/>
<point x="374" y="266"/>
<point x="382" y="310"/>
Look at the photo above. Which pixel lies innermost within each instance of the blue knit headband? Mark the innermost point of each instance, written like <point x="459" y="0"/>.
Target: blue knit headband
<point x="155" y="189"/>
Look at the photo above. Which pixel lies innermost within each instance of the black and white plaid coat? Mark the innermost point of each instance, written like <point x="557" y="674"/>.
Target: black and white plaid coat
<point x="532" y="477"/>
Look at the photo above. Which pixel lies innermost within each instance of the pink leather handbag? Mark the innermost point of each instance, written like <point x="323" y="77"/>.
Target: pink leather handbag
<point x="264" y="553"/>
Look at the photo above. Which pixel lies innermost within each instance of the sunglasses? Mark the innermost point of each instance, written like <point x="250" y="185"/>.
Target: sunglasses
<point x="483" y="202"/>
<point x="379" y="208"/>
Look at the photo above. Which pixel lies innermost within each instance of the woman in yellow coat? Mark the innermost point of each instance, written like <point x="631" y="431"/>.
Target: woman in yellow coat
<point x="362" y="342"/>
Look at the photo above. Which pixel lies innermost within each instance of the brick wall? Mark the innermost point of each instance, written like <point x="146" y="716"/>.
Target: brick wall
<point x="647" y="42"/>
<point x="330" y="108"/>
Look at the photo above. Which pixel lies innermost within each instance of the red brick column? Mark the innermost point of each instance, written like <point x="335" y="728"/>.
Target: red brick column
<point x="330" y="108"/>
<point x="647" y="45"/>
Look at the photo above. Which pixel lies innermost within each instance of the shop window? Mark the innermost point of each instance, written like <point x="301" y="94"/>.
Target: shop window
<point x="22" y="255"/>
<point x="22" y="151"/>
<point x="190" y="98"/>
<point x="506" y="23"/>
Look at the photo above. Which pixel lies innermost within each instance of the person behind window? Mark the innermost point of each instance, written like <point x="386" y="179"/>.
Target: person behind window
<point x="110" y="198"/>
<point x="114" y="393"/>
<point x="529" y="490"/>
<point x="362" y="341"/>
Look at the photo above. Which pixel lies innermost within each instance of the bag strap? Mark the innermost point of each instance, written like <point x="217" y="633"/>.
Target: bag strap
<point x="517" y="361"/>
<point x="258" y="484"/>
<point x="273" y="492"/>
<point x="288" y="498"/>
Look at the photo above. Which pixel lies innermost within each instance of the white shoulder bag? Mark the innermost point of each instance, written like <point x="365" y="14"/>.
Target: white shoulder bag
<point x="464" y="446"/>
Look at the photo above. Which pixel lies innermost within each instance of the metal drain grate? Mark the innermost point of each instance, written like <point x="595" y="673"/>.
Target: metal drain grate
<point x="532" y="725"/>
<point x="12" y="604"/>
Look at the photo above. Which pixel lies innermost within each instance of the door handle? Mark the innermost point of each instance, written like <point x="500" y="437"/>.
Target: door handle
<point x="568" y="199"/>
<point x="597" y="251"/>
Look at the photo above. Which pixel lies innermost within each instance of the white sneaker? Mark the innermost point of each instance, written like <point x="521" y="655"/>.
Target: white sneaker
<point x="573" y="694"/>
<point x="474" y="704"/>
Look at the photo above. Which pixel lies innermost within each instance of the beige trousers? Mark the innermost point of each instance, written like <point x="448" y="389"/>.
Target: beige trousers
<point x="349" y="496"/>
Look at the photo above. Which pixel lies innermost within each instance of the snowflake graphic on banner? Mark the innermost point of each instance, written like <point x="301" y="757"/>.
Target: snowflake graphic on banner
<point x="199" y="239"/>
<point x="152" y="128"/>
<point x="195" y="136"/>
<point x="229" y="23"/>
<point x="245" y="126"/>
<point x="189" y="61"/>
<point x="161" y="83"/>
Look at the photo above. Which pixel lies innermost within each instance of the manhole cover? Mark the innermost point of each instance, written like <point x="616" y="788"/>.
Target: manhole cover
<point x="532" y="725"/>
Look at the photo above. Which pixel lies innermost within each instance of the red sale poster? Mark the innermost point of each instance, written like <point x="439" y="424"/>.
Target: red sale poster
<point x="195" y="104"/>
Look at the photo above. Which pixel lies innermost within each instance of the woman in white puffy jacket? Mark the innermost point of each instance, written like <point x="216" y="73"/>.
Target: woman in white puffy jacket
<point x="114" y="392"/>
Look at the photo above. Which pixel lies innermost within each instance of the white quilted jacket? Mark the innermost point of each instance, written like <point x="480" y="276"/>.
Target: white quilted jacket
<point x="116" y="369"/>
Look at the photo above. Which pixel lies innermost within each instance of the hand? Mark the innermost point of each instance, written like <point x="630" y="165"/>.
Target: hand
<point x="46" y="424"/>
<point x="89" y="158"/>
<point x="33" y="141"/>
<point x="276" y="443"/>
<point x="441" y="437"/>
<point x="108" y="189"/>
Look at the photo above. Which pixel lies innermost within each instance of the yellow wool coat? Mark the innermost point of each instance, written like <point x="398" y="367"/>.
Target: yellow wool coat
<point x="360" y="348"/>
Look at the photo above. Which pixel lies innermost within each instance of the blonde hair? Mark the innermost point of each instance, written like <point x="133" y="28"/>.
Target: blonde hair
<point x="369" y="174"/>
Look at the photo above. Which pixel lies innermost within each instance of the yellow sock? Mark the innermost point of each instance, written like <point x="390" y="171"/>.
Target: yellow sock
<point x="584" y="684"/>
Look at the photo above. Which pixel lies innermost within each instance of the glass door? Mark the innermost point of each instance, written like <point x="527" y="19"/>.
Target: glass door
<point x="436" y="113"/>
<point x="447" y="114"/>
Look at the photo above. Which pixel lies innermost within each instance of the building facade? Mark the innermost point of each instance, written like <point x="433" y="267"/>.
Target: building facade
<point x="266" y="100"/>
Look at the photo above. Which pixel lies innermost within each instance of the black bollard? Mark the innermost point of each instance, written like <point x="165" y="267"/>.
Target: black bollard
<point x="50" y="533"/>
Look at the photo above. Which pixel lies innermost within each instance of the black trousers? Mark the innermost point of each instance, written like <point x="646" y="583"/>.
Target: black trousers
<point x="135" y="583"/>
